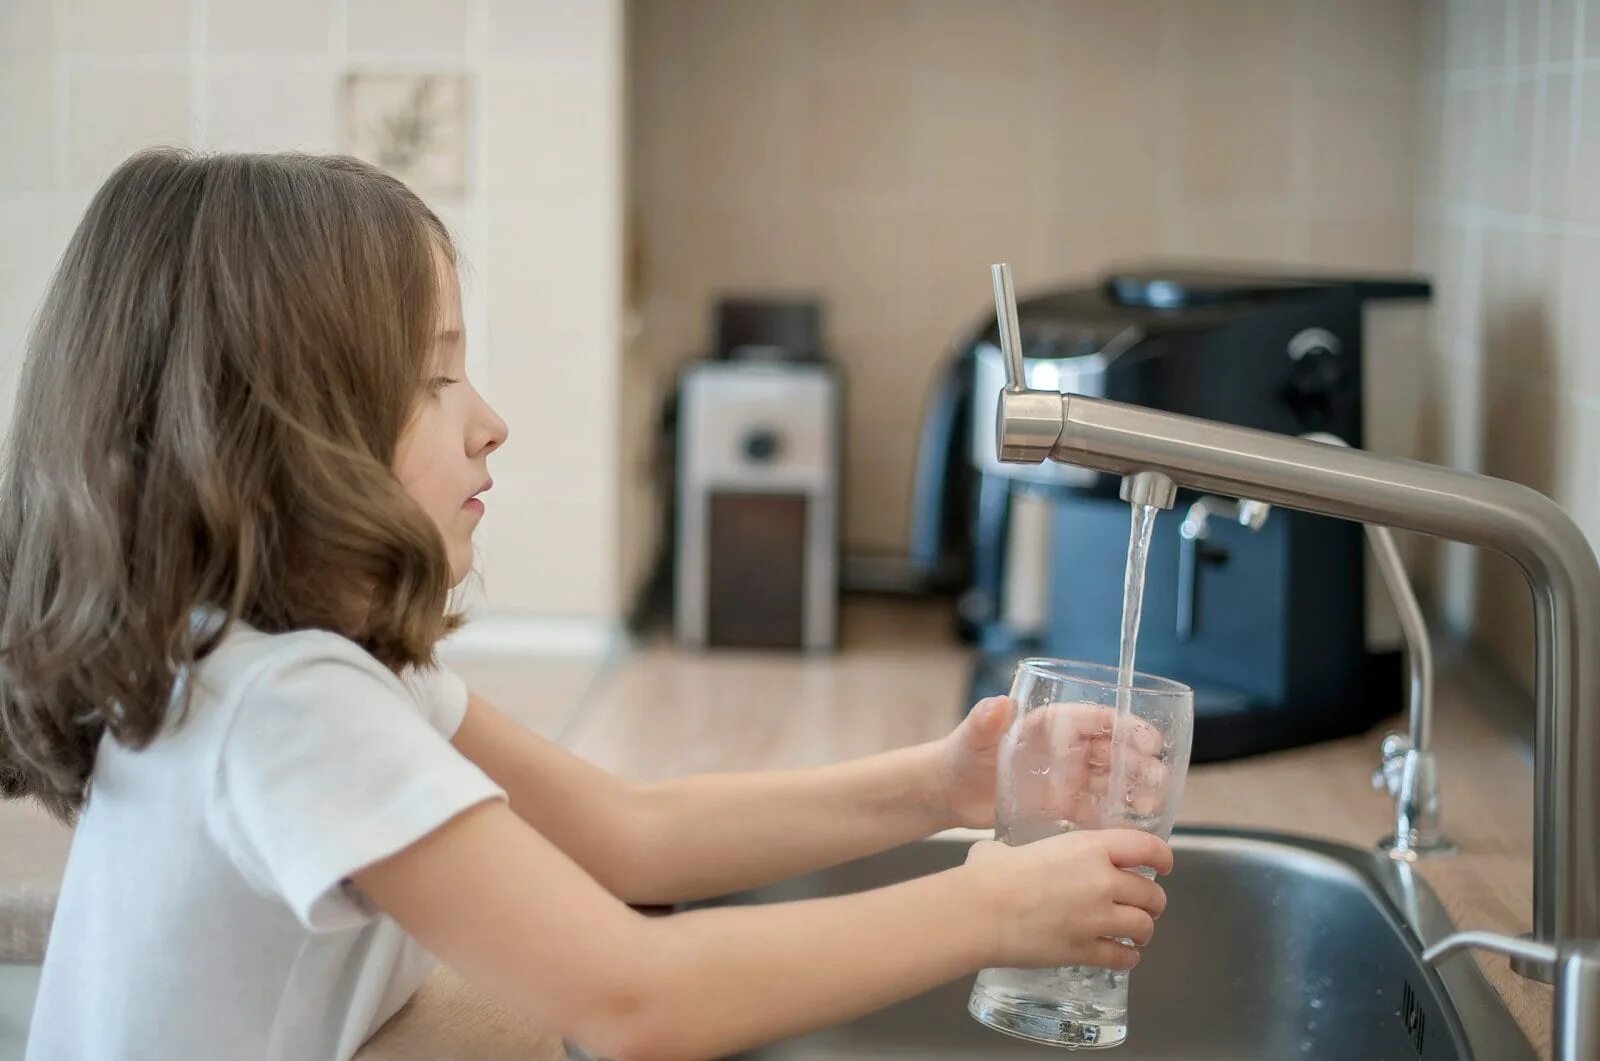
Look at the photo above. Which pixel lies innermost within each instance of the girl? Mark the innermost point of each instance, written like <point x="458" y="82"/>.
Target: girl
<point x="244" y="474"/>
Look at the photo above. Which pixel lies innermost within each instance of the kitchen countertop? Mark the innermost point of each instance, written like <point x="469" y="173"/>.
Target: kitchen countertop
<point x="660" y="713"/>
<point x="34" y="847"/>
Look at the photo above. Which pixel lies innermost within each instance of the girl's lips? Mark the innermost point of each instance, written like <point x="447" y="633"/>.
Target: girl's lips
<point x="473" y="504"/>
<point x="476" y="501"/>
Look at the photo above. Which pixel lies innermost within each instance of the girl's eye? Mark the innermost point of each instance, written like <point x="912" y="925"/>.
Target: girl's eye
<point x="439" y="383"/>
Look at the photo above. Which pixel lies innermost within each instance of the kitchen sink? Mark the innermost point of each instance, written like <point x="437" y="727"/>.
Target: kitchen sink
<point x="19" y="984"/>
<point x="1273" y="947"/>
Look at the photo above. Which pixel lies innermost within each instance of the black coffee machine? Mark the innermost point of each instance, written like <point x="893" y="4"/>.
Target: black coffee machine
<point x="1271" y="621"/>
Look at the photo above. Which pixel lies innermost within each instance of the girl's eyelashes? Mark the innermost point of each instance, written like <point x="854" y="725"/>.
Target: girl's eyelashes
<point x="439" y="383"/>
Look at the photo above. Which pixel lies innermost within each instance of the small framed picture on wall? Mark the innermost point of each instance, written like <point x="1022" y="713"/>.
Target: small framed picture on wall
<point x="412" y="124"/>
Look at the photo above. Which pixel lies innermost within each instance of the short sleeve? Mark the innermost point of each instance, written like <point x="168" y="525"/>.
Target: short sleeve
<point x="442" y="694"/>
<point x="329" y="765"/>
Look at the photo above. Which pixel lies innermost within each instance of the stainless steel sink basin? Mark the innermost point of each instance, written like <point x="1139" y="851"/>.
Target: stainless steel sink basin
<point x="1272" y="948"/>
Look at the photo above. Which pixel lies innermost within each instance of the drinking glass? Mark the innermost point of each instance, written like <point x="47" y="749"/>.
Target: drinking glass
<point x="1070" y="761"/>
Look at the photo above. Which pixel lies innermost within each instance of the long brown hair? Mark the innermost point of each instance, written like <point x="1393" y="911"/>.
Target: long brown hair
<point x="209" y="410"/>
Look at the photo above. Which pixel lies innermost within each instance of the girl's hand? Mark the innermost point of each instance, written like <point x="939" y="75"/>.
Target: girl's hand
<point x="1074" y="739"/>
<point x="1069" y="899"/>
<point x="1061" y="766"/>
<point x="966" y="764"/>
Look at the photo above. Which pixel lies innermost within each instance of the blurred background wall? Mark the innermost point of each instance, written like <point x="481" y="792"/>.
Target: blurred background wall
<point x="83" y="83"/>
<point x="883" y="154"/>
<point x="1508" y="223"/>
<point x="627" y="162"/>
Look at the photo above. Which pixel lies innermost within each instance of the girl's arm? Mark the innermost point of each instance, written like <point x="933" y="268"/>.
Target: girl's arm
<point x="517" y="918"/>
<point x="589" y="814"/>
<point x="710" y="834"/>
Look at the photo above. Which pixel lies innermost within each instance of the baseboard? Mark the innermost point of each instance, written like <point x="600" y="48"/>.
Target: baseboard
<point x="502" y="635"/>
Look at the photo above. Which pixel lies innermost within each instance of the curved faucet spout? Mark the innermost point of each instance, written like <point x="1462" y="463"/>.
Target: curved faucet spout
<point x="1352" y="484"/>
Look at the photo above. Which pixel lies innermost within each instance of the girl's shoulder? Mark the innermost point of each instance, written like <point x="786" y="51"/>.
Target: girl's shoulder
<point x="247" y="657"/>
<point x="312" y="760"/>
<point x="254" y="666"/>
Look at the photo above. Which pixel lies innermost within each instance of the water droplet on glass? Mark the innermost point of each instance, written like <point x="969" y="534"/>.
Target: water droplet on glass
<point x="1316" y="1003"/>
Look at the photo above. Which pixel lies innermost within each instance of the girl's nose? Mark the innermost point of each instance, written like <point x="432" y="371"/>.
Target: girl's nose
<point x="492" y="430"/>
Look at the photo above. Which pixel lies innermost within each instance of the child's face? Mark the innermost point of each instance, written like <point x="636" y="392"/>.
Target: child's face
<point x="442" y="459"/>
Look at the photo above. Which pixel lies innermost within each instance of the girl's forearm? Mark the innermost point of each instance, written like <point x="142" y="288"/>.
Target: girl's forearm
<point x="731" y="977"/>
<point x="712" y="834"/>
<point x="521" y="920"/>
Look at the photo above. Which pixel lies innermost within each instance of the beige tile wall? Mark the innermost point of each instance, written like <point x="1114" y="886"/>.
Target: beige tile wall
<point x="1509" y="220"/>
<point x="884" y="153"/>
<point x="85" y="82"/>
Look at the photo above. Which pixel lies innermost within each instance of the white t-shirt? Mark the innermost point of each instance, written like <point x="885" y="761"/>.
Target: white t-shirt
<point x="206" y="911"/>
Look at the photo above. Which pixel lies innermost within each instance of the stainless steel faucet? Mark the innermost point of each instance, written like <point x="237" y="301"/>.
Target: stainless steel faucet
<point x="1409" y="771"/>
<point x="1032" y="426"/>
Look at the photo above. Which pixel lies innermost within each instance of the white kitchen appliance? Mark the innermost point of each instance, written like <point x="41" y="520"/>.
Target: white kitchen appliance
<point x="758" y="505"/>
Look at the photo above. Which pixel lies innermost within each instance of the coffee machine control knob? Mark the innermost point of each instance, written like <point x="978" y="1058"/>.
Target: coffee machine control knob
<point x="762" y="445"/>
<point x="1316" y="376"/>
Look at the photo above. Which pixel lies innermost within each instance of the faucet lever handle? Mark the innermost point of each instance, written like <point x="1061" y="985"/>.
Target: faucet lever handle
<point x="1529" y="950"/>
<point x="1005" y="312"/>
<point x="1027" y="423"/>
<point x="1386" y="778"/>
